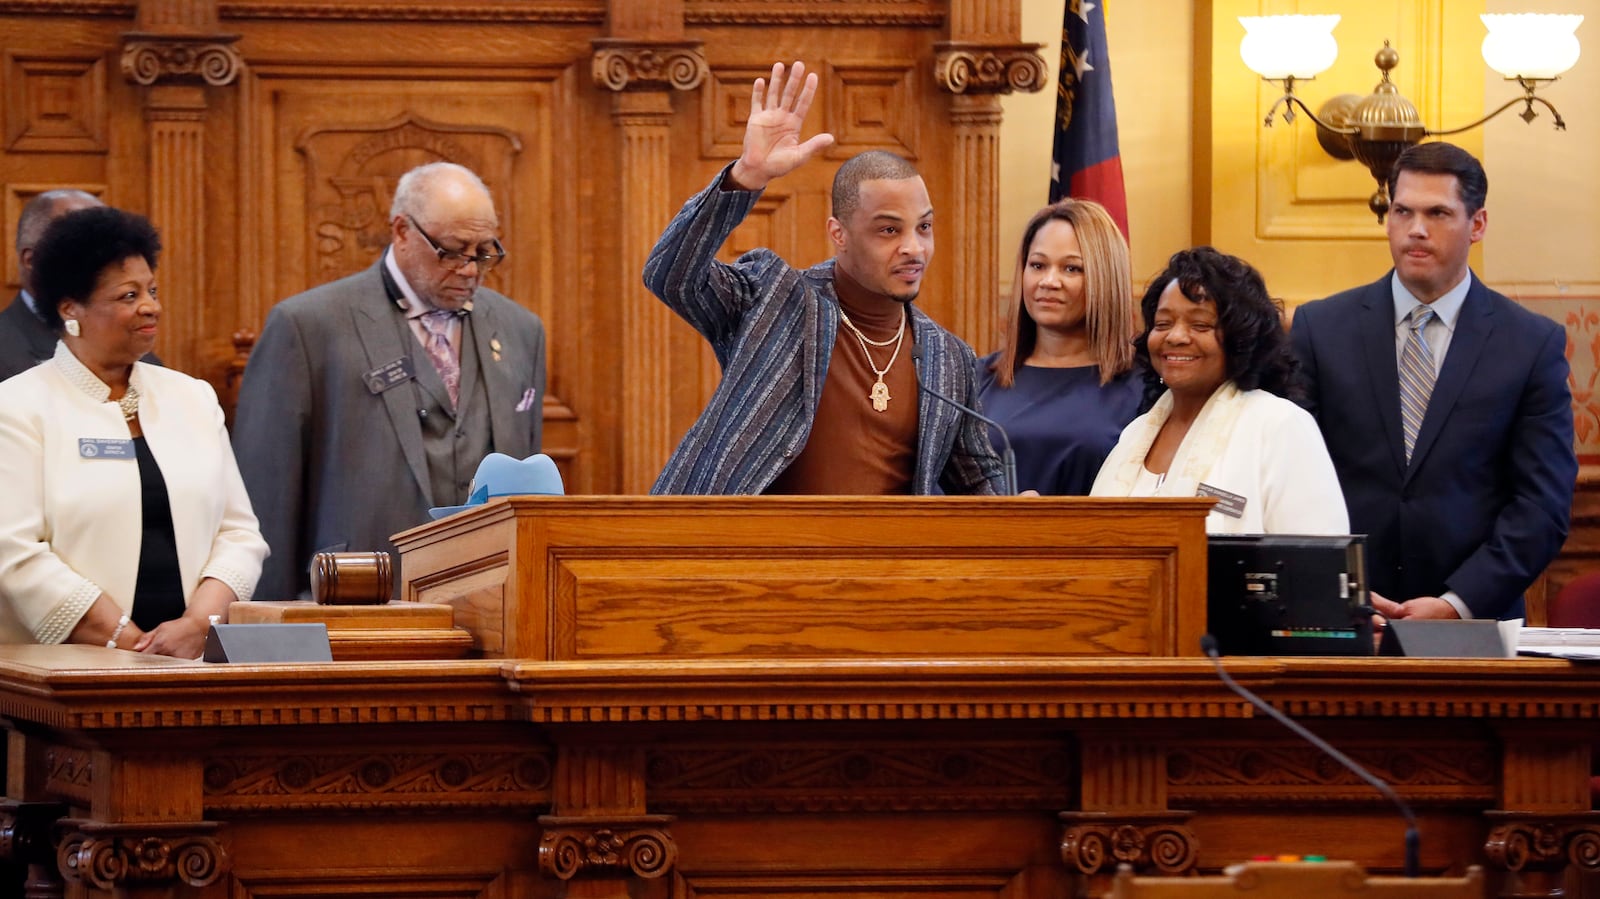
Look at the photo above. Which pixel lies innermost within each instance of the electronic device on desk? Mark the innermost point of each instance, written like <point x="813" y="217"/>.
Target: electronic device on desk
<point x="1289" y="595"/>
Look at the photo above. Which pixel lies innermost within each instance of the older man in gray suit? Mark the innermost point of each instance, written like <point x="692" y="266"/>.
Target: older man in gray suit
<point x="370" y="399"/>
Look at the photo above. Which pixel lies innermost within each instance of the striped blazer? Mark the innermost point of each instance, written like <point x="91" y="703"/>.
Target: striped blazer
<point x="772" y="328"/>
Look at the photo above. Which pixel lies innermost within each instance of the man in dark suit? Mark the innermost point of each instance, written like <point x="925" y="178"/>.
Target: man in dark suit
<point x="370" y="399"/>
<point x="25" y="340"/>
<point x="1445" y="407"/>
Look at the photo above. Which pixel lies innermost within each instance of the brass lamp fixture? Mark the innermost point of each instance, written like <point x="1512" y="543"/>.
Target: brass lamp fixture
<point x="1530" y="49"/>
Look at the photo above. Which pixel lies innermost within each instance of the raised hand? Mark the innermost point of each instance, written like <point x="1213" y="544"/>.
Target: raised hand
<point x="772" y="145"/>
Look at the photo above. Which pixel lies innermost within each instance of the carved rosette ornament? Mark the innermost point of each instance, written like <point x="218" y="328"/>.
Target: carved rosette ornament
<point x="150" y="59"/>
<point x="636" y="845"/>
<point x="989" y="68"/>
<point x="1095" y="843"/>
<point x="119" y="856"/>
<point x="621" y="65"/>
<point x="1533" y="844"/>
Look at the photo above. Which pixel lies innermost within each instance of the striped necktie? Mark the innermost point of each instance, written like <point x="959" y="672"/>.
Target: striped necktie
<point x="439" y="349"/>
<point x="1416" y="377"/>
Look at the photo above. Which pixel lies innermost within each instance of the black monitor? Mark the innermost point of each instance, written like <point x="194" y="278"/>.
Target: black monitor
<point x="1288" y="595"/>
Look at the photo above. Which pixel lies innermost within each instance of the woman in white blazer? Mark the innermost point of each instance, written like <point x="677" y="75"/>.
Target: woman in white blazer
<point x="126" y="523"/>
<point x="1222" y="426"/>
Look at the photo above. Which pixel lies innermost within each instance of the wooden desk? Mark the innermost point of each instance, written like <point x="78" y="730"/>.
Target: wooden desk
<point x="780" y="777"/>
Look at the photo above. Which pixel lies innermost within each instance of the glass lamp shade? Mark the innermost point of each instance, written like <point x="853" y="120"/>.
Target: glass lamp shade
<point x="1276" y="47"/>
<point x="1530" y="45"/>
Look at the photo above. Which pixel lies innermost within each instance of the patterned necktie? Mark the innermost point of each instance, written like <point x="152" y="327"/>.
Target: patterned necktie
<point x="1416" y="377"/>
<point x="438" y="348"/>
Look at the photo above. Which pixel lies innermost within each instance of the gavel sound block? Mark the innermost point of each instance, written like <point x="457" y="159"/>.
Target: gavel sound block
<point x="350" y="594"/>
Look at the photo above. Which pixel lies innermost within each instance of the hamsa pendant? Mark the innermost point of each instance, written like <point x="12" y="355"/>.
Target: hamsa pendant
<point x="880" y="396"/>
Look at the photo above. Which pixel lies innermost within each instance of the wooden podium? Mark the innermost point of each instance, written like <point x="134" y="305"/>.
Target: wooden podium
<point x="584" y="578"/>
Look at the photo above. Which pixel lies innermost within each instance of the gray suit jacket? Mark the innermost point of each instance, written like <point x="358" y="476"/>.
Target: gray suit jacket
<point x="332" y="465"/>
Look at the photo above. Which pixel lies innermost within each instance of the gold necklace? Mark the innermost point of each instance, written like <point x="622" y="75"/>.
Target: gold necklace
<point x="880" y="391"/>
<point x="129" y="404"/>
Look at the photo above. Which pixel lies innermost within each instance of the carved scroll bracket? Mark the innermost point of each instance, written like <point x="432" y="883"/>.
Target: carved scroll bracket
<point x="630" y="845"/>
<point x="1537" y="848"/>
<point x="1096" y="842"/>
<point x="160" y="58"/>
<point x="621" y="64"/>
<point x="119" y="856"/>
<point x="966" y="68"/>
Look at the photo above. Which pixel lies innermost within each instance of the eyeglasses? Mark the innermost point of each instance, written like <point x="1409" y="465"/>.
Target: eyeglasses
<point x="457" y="260"/>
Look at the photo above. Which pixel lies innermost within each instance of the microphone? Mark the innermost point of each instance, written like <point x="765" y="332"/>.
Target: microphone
<point x="1208" y="645"/>
<point x="1008" y="459"/>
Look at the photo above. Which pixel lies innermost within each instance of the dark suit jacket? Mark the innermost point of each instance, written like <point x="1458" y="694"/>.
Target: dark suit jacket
<point x="329" y="464"/>
<point x="1485" y="502"/>
<point x="26" y="342"/>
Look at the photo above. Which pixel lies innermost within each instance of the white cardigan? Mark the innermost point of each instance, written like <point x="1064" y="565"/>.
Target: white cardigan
<point x="1265" y="449"/>
<point x="70" y="526"/>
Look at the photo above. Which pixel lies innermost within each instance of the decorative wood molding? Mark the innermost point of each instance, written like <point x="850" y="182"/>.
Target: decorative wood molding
<point x="364" y="781"/>
<point x="160" y="58"/>
<point x="1095" y="843"/>
<point x="123" y="856"/>
<point x="55" y="104"/>
<point x="574" y="13"/>
<point x="1244" y="772"/>
<point x="970" y="68"/>
<point x="820" y="778"/>
<point x="121" y="9"/>
<point x="902" y="13"/>
<point x="636" y="845"/>
<point x="69" y="773"/>
<point x="622" y="64"/>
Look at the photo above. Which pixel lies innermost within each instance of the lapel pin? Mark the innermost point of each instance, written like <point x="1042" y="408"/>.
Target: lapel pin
<point x="494" y="348"/>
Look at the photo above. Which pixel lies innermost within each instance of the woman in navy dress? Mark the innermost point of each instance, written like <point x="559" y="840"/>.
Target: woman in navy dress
<point x="1063" y="384"/>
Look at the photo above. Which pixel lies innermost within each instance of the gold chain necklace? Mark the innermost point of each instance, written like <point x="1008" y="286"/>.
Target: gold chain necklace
<point x="880" y="391"/>
<point x="129" y="404"/>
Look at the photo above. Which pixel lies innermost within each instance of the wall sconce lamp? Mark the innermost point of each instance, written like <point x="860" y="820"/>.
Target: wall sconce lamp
<point x="1529" y="49"/>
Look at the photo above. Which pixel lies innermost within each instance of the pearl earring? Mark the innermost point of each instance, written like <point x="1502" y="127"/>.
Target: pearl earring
<point x="72" y="328"/>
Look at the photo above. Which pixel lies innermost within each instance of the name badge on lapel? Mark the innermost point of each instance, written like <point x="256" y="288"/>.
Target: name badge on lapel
<point x="1229" y="504"/>
<point x="385" y="376"/>
<point x="105" y="448"/>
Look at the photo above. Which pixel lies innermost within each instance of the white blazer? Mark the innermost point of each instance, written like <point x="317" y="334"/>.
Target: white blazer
<point x="71" y="521"/>
<point x="1271" y="456"/>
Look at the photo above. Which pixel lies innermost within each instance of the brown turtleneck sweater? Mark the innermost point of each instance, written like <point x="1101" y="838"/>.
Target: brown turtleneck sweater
<point x="853" y="449"/>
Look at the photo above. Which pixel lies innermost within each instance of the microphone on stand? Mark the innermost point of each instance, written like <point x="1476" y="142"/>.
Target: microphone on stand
<point x="1008" y="459"/>
<point x="1208" y="645"/>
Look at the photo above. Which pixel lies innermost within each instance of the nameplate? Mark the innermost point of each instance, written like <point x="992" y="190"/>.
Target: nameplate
<point x="389" y="375"/>
<point x="1229" y="504"/>
<point x="268" y="643"/>
<point x="1478" y="638"/>
<point x="105" y="448"/>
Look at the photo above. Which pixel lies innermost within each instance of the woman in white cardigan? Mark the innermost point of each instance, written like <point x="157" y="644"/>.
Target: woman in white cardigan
<point x="125" y="523"/>
<point x="1223" y="427"/>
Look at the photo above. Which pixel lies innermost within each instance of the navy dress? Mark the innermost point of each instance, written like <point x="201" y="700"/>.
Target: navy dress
<point x="1062" y="422"/>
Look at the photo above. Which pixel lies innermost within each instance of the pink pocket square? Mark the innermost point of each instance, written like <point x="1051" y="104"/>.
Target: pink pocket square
<point x="529" y="397"/>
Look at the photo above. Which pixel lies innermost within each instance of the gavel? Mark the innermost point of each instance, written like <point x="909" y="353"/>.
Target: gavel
<point x="351" y="579"/>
